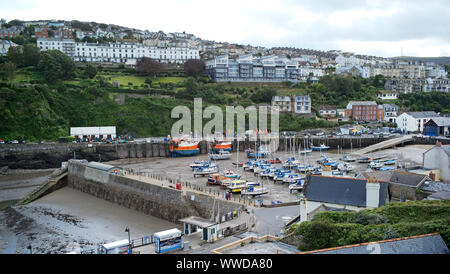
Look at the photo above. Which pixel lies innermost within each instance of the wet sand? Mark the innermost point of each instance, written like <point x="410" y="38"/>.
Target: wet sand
<point x="68" y="219"/>
<point x="16" y="184"/>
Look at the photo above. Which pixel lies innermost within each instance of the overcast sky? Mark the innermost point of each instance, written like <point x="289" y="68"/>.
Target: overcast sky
<point x="374" y="27"/>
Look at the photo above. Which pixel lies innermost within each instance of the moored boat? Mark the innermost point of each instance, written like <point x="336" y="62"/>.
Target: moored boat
<point x="222" y="145"/>
<point x="231" y="174"/>
<point x="260" y="153"/>
<point x="203" y="171"/>
<point x="221" y="155"/>
<point x="182" y="147"/>
<point x="236" y="186"/>
<point x="319" y="148"/>
<point x="254" y="191"/>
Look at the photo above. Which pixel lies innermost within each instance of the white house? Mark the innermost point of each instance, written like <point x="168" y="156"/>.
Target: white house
<point x="414" y="121"/>
<point x="390" y="113"/>
<point x="5" y="45"/>
<point x="387" y="95"/>
<point x="302" y="104"/>
<point x="438" y="157"/>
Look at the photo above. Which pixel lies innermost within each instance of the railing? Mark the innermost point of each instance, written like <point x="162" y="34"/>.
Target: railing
<point x="173" y="181"/>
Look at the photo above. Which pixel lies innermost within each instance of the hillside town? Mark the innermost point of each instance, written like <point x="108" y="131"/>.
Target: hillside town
<point x="101" y="43"/>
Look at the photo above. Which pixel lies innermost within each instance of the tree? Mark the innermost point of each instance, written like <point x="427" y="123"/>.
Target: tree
<point x="55" y="65"/>
<point x="90" y="71"/>
<point x="194" y="67"/>
<point x="31" y="55"/>
<point x="149" y="66"/>
<point x="9" y="69"/>
<point x="15" y="55"/>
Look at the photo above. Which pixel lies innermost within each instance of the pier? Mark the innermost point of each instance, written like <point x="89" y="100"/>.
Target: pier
<point x="386" y="144"/>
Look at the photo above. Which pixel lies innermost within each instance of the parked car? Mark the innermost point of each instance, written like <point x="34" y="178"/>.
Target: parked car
<point x="2" y="141"/>
<point x="14" y="142"/>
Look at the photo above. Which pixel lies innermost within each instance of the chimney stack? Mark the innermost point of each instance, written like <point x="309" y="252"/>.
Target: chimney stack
<point x="303" y="210"/>
<point x="372" y="193"/>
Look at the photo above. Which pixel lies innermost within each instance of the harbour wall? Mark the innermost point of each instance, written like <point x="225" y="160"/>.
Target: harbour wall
<point x="50" y="155"/>
<point x="159" y="201"/>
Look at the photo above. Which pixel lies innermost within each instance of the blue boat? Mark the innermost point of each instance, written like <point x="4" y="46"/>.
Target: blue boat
<point x="386" y="168"/>
<point x="319" y="148"/>
<point x="389" y="162"/>
<point x="260" y="153"/>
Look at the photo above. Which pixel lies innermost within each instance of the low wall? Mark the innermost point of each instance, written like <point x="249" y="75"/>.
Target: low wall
<point x="162" y="202"/>
<point x="50" y="155"/>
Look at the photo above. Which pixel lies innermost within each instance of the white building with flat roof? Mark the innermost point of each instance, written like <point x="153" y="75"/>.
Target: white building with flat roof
<point x="93" y="132"/>
<point x="119" y="52"/>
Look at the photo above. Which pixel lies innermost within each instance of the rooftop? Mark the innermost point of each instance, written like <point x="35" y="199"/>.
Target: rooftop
<point x="341" y="190"/>
<point x="408" y="178"/>
<point x="423" y="114"/>
<point x="421" y="244"/>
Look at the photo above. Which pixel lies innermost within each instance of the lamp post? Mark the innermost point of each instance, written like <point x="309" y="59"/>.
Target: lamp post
<point x="129" y="239"/>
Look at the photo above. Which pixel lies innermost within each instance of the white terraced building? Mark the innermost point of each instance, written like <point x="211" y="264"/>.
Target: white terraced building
<point x="119" y="52"/>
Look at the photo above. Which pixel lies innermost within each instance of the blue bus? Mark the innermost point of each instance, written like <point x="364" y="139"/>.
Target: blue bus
<point x="168" y="240"/>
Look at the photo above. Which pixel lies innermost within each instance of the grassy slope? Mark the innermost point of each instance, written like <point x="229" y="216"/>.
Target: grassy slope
<point x="332" y="229"/>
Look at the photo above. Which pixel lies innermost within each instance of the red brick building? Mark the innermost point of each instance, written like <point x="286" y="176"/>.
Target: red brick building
<point x="366" y="111"/>
<point x="58" y="33"/>
<point x="11" y="32"/>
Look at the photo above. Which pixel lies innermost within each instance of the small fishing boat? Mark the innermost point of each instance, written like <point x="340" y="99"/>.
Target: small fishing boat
<point x="364" y="160"/>
<point x="348" y="158"/>
<point x="240" y="164"/>
<point x="319" y="148"/>
<point x="198" y="163"/>
<point x="337" y="173"/>
<point x="376" y="164"/>
<point x="260" y="153"/>
<point x="305" y="151"/>
<point x="221" y="155"/>
<point x="281" y="174"/>
<point x="346" y="167"/>
<point x="333" y="165"/>
<point x="265" y="173"/>
<point x="203" y="171"/>
<point x="389" y="162"/>
<point x="386" y="168"/>
<point x="254" y="191"/>
<point x="236" y="186"/>
<point x="215" y="179"/>
<point x="231" y="174"/>
<point x="323" y="160"/>
<point x="297" y="186"/>
<point x="304" y="168"/>
<point x="291" y="178"/>
<point x="290" y="163"/>
<point x="257" y="170"/>
<point x="274" y="161"/>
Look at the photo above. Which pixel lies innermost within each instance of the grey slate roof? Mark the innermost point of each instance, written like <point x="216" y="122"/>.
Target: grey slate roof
<point x="436" y="187"/>
<point x="341" y="190"/>
<point x="422" y="244"/>
<point x="423" y="114"/>
<point x="407" y="178"/>
<point x="440" y="195"/>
